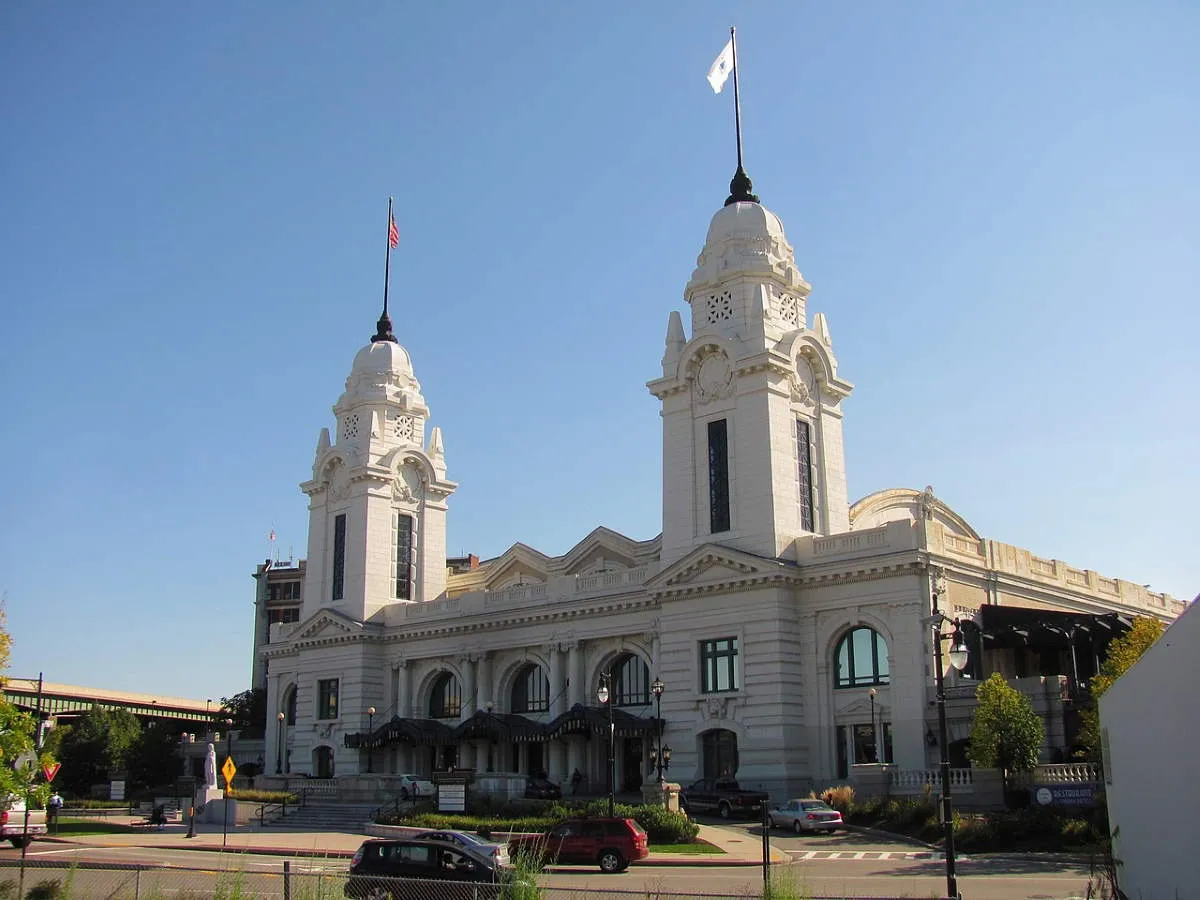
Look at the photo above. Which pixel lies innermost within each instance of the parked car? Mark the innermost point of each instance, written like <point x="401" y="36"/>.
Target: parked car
<point x="414" y="786"/>
<point x="806" y="815"/>
<point x="610" y="843"/>
<point x="13" y="825"/>
<point x="498" y="852"/>
<point x="403" y="867"/>
<point x="537" y="788"/>
<point x="723" y="796"/>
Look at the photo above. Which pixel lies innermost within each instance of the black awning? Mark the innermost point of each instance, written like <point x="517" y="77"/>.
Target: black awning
<point x="580" y="719"/>
<point x="500" y="727"/>
<point x="402" y="731"/>
<point x="1023" y="626"/>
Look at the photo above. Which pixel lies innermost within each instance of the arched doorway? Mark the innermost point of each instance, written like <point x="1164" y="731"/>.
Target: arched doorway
<point x="323" y="762"/>
<point x="719" y="753"/>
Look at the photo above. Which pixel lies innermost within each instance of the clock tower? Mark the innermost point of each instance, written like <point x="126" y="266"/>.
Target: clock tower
<point x="377" y="498"/>
<point x="751" y="402"/>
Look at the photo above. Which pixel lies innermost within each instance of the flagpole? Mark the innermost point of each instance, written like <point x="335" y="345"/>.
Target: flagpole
<point x="383" y="328"/>
<point x="387" y="253"/>
<point x="741" y="189"/>
<point x="737" y="99"/>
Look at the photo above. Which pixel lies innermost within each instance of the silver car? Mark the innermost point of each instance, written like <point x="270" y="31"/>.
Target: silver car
<point x="806" y="815"/>
<point x="498" y="852"/>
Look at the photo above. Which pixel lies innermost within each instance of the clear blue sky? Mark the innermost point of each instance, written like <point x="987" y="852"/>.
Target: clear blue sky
<point x="996" y="205"/>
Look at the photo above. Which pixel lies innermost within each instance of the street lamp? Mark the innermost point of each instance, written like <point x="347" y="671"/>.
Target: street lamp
<point x="604" y="696"/>
<point x="370" y="728"/>
<point x="279" y="745"/>
<point x="229" y="782"/>
<point x="958" y="659"/>
<point x="657" y="689"/>
<point x="874" y="734"/>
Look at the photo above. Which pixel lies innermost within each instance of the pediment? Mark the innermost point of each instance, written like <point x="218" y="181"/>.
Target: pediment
<point x="326" y="624"/>
<point x="713" y="565"/>
<point x="861" y="705"/>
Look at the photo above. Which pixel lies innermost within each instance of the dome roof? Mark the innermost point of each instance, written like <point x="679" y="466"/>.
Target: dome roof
<point x="743" y="221"/>
<point x="382" y="357"/>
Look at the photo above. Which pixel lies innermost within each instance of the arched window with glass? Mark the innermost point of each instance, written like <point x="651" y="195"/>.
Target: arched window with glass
<point x="445" y="700"/>
<point x="531" y="690"/>
<point x="632" y="679"/>
<point x="862" y="659"/>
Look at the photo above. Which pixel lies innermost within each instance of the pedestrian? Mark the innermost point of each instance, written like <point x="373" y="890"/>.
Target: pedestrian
<point x="53" y="805"/>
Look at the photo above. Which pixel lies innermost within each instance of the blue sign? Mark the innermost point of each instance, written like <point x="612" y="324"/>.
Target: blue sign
<point x="1068" y="794"/>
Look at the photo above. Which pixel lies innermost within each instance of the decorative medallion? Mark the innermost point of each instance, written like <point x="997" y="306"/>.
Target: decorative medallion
<point x="714" y="380"/>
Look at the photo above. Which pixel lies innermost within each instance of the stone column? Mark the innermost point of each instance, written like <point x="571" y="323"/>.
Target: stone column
<point x="557" y="680"/>
<point x="483" y="673"/>
<point x="403" y="688"/>
<point x="470" y="685"/>
<point x="574" y="673"/>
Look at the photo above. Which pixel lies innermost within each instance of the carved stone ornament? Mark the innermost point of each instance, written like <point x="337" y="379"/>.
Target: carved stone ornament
<point x="718" y="707"/>
<point x="714" y="380"/>
<point x="400" y="491"/>
<point x="928" y="502"/>
<point x="799" y="390"/>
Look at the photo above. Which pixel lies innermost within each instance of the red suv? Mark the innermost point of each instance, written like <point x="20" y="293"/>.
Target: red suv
<point x="611" y="844"/>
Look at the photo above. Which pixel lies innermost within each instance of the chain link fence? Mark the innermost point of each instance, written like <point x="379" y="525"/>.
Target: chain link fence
<point x="302" y="880"/>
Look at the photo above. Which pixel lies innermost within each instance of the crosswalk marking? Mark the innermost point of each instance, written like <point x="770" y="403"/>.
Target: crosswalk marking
<point x="866" y="854"/>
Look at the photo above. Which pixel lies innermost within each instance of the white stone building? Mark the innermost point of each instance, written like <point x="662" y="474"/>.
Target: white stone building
<point x="785" y="622"/>
<point x="1153" y="816"/>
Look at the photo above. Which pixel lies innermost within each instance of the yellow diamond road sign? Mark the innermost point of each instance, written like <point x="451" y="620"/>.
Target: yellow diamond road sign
<point x="228" y="770"/>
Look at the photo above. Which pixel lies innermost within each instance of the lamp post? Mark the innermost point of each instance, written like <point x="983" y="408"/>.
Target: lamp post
<point x="279" y="745"/>
<point x="958" y="659"/>
<point x="604" y="695"/>
<point x="229" y="783"/>
<point x="874" y="734"/>
<point x="657" y="689"/>
<point x="370" y="727"/>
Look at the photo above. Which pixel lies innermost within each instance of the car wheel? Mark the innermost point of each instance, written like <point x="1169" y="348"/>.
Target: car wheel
<point x="375" y="892"/>
<point x="726" y="811"/>
<point x="611" y="861"/>
<point x="797" y="827"/>
<point x="21" y="842"/>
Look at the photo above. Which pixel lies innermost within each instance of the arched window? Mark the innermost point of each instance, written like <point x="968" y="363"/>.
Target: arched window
<point x="290" y="706"/>
<point x="862" y="659"/>
<point x="633" y="680"/>
<point x="445" y="700"/>
<point x="719" y="753"/>
<point x="531" y="690"/>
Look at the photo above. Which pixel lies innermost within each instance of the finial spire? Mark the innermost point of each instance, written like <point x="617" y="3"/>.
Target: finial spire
<point x="383" y="328"/>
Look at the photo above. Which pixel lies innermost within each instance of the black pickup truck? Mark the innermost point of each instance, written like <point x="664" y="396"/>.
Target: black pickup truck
<point x="723" y="796"/>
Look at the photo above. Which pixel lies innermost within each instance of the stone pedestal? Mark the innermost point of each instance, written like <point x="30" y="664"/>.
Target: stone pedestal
<point x="665" y="795"/>
<point x="203" y="797"/>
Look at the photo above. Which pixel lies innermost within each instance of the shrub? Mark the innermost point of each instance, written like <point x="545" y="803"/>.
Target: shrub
<point x="840" y="797"/>
<point x="666" y="827"/>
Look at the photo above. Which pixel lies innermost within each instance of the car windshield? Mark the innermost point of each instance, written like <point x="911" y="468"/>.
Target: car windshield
<point x="451" y="836"/>
<point x="816" y="804"/>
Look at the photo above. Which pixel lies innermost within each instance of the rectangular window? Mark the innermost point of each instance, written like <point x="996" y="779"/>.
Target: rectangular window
<point x="327" y="698"/>
<point x="804" y="456"/>
<point x="404" y="549"/>
<point x="339" y="556"/>
<point x="718" y="476"/>
<point x="718" y="665"/>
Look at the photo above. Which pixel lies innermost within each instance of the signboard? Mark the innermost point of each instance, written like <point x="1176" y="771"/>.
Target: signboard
<point x="50" y="770"/>
<point x="228" y="770"/>
<point x="116" y="790"/>
<point x="452" y="798"/>
<point x="1066" y="794"/>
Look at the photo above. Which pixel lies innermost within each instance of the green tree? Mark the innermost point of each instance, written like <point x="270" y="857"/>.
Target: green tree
<point x="248" y="711"/>
<point x="1006" y="733"/>
<point x="20" y="760"/>
<point x="154" y="758"/>
<point x="97" y="746"/>
<point x="1122" y="653"/>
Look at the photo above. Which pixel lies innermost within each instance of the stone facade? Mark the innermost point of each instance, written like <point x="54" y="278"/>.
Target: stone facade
<point x="769" y="606"/>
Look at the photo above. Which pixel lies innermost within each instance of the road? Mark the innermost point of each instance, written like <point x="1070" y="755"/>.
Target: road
<point x="824" y="866"/>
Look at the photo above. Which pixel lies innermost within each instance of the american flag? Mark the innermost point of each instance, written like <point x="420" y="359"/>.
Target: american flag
<point x="393" y="232"/>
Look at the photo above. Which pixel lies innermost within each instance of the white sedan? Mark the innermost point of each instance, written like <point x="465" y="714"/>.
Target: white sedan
<point x="414" y="786"/>
<point x="806" y="815"/>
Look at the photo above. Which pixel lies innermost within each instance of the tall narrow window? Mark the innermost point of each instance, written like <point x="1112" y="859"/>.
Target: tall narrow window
<point x="803" y="454"/>
<point x="404" y="548"/>
<point x="327" y="698"/>
<point x="718" y="476"/>
<point x="719" y="665"/>
<point x="339" y="557"/>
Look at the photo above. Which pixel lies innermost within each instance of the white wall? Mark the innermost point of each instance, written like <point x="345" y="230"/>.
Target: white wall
<point x="1152" y="712"/>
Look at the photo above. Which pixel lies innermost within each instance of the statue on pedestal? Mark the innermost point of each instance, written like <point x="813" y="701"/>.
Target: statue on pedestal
<point x="210" y="768"/>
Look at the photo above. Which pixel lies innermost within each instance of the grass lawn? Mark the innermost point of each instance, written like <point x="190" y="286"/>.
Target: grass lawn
<point x="696" y="846"/>
<point x="68" y="827"/>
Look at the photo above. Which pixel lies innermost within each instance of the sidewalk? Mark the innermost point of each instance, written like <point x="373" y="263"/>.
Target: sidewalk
<point x="739" y="848"/>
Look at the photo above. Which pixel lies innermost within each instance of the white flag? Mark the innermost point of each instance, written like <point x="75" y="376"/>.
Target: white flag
<point x="719" y="71"/>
